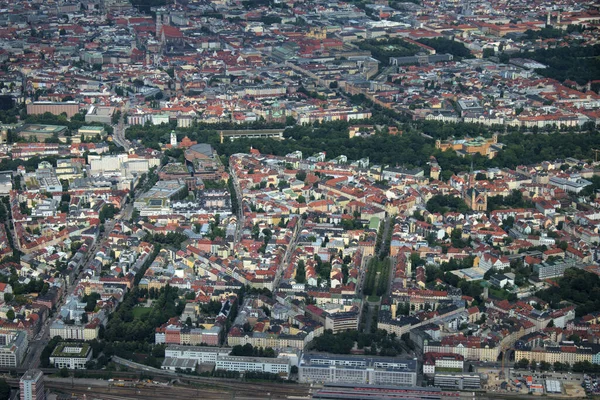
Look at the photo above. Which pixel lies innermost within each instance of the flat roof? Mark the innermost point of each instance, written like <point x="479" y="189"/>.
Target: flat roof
<point x="553" y="386"/>
<point x="91" y="128"/>
<point x="207" y="349"/>
<point x="59" y="349"/>
<point x="266" y="360"/>
<point x="183" y="363"/>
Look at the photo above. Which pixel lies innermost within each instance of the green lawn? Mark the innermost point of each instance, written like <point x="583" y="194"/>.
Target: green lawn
<point x="373" y="298"/>
<point x="140" y="312"/>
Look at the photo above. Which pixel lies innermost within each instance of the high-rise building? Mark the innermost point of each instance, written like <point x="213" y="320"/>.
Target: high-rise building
<point x="32" y="385"/>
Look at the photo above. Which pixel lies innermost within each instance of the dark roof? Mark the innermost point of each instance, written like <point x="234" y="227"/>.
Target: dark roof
<point x="203" y="148"/>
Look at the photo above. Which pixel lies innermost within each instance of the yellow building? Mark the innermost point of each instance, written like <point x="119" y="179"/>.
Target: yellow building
<point x="564" y="354"/>
<point x="478" y="145"/>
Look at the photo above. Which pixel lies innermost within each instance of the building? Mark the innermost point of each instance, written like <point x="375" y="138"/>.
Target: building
<point x="421" y="58"/>
<point x="553" y="386"/>
<point x="56" y="108"/>
<point x="476" y="200"/>
<point x="251" y="134"/>
<point x="175" y="364"/>
<point x="100" y="114"/>
<point x="502" y="280"/>
<point x="571" y="184"/>
<point x="200" y="151"/>
<point x="74" y="331"/>
<point x="565" y="352"/>
<point x="489" y="261"/>
<point x="31" y="385"/>
<point x="458" y="381"/>
<point x="174" y="334"/>
<point x="336" y="321"/>
<point x="71" y="355"/>
<point x="280" y="366"/>
<point x="5" y="183"/>
<point x="202" y="354"/>
<point x="157" y="200"/>
<point x="42" y="132"/>
<point x="13" y="346"/>
<point x="91" y="131"/>
<point x="470" y="347"/>
<point x="317" y="368"/>
<point x="550" y="269"/>
<point x="47" y="179"/>
<point x="447" y="362"/>
<point x="486" y="147"/>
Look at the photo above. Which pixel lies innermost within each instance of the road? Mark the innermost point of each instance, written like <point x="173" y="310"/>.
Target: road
<point x="119" y="134"/>
<point x="32" y="359"/>
<point x="384" y="243"/>
<point x="288" y="252"/>
<point x="239" y="211"/>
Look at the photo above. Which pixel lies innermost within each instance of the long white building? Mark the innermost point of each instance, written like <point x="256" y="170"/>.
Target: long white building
<point x="202" y="354"/>
<point x="258" y="364"/>
<point x="317" y="368"/>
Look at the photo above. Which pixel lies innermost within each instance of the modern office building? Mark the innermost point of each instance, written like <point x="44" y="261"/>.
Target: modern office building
<point x="71" y="355"/>
<point x="280" y="366"/>
<point x="317" y="368"/>
<point x="458" y="381"/>
<point x="202" y="354"/>
<point x="13" y="346"/>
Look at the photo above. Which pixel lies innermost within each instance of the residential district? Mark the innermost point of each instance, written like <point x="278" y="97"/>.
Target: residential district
<point x="314" y="199"/>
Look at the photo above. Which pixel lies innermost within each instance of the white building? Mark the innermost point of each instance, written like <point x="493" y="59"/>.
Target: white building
<point x="316" y="368"/>
<point x="260" y="364"/>
<point x="488" y="262"/>
<point x="202" y="354"/>
<point x="121" y="164"/>
<point x="5" y="183"/>
<point x="71" y="355"/>
<point x="13" y="346"/>
<point x="446" y="361"/>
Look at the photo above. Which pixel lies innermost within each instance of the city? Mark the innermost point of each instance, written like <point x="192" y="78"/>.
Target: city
<point x="299" y="199"/>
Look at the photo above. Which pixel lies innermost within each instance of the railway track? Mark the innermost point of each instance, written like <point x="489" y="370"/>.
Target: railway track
<point x="251" y="391"/>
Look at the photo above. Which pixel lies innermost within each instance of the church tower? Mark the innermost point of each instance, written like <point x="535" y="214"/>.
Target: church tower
<point x="173" y="139"/>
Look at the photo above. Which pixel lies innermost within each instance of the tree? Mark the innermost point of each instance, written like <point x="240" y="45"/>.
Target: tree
<point x="522" y="363"/>
<point x="5" y="389"/>
<point x="488" y="52"/>
<point x="301" y="272"/>
<point x="301" y="175"/>
<point x="10" y="315"/>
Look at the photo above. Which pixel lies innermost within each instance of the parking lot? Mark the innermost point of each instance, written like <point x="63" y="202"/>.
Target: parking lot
<point x="591" y="384"/>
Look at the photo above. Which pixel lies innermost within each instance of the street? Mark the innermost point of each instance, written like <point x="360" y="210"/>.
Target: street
<point x="36" y="346"/>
